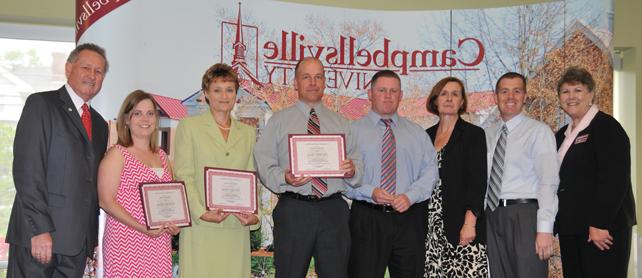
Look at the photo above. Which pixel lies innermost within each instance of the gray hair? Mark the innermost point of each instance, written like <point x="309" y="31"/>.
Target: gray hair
<point x="73" y="56"/>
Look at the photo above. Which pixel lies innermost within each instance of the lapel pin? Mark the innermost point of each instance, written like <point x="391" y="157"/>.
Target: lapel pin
<point x="69" y="109"/>
<point x="581" y="139"/>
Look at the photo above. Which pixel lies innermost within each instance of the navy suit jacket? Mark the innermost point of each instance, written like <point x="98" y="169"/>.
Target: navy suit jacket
<point x="54" y="172"/>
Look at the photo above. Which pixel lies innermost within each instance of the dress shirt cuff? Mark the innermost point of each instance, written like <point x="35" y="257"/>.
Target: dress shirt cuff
<point x="365" y="190"/>
<point x="353" y="181"/>
<point x="356" y="179"/>
<point x="545" y="226"/>
<point x="282" y="181"/>
<point x="413" y="197"/>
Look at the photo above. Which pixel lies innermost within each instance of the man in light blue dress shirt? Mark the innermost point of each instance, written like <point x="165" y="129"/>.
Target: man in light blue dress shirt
<point x="521" y="201"/>
<point x="388" y="218"/>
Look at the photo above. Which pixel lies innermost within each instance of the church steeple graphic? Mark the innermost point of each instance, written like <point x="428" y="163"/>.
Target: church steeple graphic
<point x="239" y="64"/>
<point x="239" y="44"/>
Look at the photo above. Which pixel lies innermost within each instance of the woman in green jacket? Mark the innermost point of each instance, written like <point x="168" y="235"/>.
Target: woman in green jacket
<point x="218" y="243"/>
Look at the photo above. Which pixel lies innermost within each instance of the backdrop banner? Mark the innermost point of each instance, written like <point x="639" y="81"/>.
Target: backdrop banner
<point x="164" y="47"/>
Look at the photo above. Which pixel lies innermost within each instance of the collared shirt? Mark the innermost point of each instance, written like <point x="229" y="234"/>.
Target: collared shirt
<point x="271" y="154"/>
<point x="416" y="160"/>
<point x="78" y="102"/>
<point x="572" y="131"/>
<point x="531" y="168"/>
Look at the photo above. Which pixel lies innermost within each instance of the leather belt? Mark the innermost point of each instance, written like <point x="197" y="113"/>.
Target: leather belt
<point x="383" y="208"/>
<point x="505" y="202"/>
<point x="308" y="198"/>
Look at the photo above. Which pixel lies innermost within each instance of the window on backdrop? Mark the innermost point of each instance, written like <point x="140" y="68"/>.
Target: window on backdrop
<point x="26" y="66"/>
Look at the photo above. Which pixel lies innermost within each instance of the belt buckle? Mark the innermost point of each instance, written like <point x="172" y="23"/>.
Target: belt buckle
<point x="503" y="202"/>
<point x="387" y="208"/>
<point x="309" y="198"/>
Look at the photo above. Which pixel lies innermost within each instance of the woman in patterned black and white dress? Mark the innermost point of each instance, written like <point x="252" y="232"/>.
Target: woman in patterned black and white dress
<point x="456" y="240"/>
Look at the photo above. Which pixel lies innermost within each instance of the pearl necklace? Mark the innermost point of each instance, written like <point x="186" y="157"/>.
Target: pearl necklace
<point x="223" y="127"/>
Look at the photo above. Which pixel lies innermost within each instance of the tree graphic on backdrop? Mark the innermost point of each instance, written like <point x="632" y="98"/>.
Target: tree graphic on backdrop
<point x="535" y="40"/>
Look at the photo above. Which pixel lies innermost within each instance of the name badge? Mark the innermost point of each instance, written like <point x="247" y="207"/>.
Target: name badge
<point x="581" y="139"/>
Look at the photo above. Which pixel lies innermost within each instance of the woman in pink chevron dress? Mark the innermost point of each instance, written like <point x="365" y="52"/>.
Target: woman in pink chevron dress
<point x="129" y="249"/>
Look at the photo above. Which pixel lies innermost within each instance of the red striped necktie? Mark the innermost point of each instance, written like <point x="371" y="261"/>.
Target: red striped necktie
<point x="319" y="185"/>
<point x="388" y="159"/>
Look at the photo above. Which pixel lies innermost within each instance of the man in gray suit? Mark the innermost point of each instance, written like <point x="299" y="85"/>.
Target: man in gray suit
<point x="58" y="145"/>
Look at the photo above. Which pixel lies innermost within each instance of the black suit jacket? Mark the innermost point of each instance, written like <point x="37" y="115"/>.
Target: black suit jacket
<point x="595" y="179"/>
<point x="463" y="175"/>
<point x="54" y="171"/>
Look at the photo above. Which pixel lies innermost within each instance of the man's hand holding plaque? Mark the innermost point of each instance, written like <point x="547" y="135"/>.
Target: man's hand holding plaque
<point x="319" y="155"/>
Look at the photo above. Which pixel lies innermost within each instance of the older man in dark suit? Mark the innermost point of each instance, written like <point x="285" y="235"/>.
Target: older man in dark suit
<point x="58" y="144"/>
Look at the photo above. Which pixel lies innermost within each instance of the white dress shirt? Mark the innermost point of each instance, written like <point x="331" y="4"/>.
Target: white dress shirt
<point x="78" y="102"/>
<point x="531" y="168"/>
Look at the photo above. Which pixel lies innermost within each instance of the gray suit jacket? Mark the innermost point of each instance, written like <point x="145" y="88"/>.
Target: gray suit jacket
<point x="54" y="172"/>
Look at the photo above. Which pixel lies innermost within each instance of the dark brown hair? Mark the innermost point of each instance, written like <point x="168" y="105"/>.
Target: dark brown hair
<point x="510" y="75"/>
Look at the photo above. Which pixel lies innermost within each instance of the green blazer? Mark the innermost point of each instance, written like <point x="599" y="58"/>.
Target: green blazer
<point x="199" y="144"/>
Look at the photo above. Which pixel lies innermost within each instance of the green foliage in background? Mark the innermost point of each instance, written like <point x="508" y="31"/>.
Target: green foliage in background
<point x="255" y="239"/>
<point x="262" y="267"/>
<point x="16" y="58"/>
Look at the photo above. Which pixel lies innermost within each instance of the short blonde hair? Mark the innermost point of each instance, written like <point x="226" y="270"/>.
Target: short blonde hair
<point x="219" y="72"/>
<point x="124" y="134"/>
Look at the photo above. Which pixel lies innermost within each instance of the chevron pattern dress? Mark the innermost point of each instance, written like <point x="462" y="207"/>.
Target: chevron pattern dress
<point x="127" y="252"/>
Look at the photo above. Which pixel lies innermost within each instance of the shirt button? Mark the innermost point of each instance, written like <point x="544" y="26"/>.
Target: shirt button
<point x="227" y="154"/>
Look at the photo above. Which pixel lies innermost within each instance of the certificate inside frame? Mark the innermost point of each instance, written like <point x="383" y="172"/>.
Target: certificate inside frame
<point x="178" y="187"/>
<point x="295" y="168"/>
<point x="210" y="202"/>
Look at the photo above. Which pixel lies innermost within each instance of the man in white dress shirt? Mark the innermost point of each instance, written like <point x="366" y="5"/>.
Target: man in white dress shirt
<point x="521" y="201"/>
